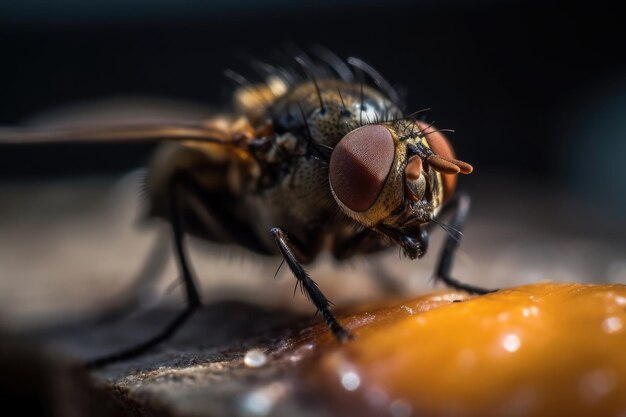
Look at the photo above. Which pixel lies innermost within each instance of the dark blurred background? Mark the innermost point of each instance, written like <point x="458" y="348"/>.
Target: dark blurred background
<point x="536" y="89"/>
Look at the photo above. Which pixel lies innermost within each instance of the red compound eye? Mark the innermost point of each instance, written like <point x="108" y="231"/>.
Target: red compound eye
<point x="360" y="164"/>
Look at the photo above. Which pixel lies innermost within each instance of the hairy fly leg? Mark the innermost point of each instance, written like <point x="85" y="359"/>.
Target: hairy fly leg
<point x="176" y="198"/>
<point x="309" y="286"/>
<point x="460" y="205"/>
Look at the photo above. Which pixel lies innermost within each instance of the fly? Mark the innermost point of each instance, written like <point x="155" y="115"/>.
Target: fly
<point x="307" y="160"/>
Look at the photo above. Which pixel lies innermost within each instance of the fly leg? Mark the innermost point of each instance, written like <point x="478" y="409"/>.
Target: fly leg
<point x="192" y="295"/>
<point x="309" y="286"/>
<point x="461" y="206"/>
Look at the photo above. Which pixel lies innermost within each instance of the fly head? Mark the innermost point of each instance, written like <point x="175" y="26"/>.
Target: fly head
<point x="394" y="177"/>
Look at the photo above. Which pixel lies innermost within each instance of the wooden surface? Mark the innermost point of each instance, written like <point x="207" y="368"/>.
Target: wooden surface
<point x="70" y="250"/>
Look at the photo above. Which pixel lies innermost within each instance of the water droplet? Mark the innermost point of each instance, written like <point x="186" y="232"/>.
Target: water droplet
<point x="511" y="342"/>
<point x="255" y="358"/>
<point x="400" y="408"/>
<point x="596" y="384"/>
<point x="502" y="317"/>
<point x="350" y="380"/>
<point x="612" y="324"/>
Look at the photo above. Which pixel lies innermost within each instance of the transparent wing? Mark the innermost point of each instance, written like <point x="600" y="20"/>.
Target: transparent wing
<point x="119" y="120"/>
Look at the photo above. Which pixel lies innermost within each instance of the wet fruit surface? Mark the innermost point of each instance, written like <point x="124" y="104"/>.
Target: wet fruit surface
<point x="537" y="350"/>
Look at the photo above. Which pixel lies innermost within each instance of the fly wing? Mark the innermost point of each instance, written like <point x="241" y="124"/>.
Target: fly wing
<point x="122" y="133"/>
<point x="119" y="120"/>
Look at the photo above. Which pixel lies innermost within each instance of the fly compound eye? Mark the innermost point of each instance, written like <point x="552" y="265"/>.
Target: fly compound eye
<point x="415" y="179"/>
<point x="360" y="165"/>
